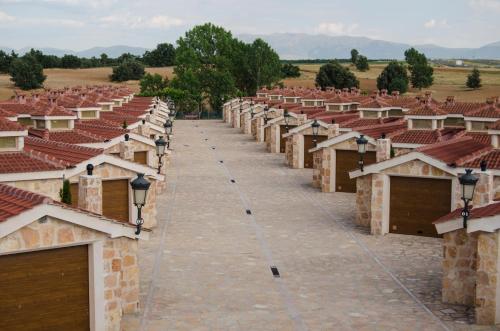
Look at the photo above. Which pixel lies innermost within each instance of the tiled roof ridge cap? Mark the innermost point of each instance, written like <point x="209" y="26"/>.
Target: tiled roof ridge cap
<point x="24" y="194"/>
<point x="443" y="143"/>
<point x="40" y="141"/>
<point x="477" y="154"/>
<point x="46" y="158"/>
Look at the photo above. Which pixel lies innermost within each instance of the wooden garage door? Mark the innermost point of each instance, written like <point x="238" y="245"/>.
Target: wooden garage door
<point x="73" y="188"/>
<point x="253" y="127"/>
<point x="283" y="131"/>
<point x="267" y="134"/>
<point x="309" y="144"/>
<point x="345" y="162"/>
<point x="141" y="157"/>
<point x="115" y="202"/>
<point x="417" y="202"/>
<point x="45" y="290"/>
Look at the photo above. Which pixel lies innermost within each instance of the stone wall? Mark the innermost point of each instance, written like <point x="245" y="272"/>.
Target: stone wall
<point x="133" y="146"/>
<point x="401" y="151"/>
<point x="459" y="267"/>
<point x="121" y="272"/>
<point x="487" y="279"/>
<point x="108" y="171"/>
<point x="48" y="187"/>
<point x="317" y="168"/>
<point x="363" y="200"/>
<point x="379" y="193"/>
<point x="289" y="150"/>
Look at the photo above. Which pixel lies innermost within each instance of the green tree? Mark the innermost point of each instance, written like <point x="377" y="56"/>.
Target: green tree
<point x="362" y="63"/>
<point x="290" y="70"/>
<point x="204" y="64"/>
<point x="394" y="77"/>
<point x="333" y="74"/>
<point x="127" y="70"/>
<point x="6" y="60"/>
<point x="265" y="65"/>
<point x="421" y="73"/>
<point x="70" y="61"/>
<point x="354" y="56"/>
<point x="474" y="79"/>
<point x="152" y="85"/>
<point x="65" y="193"/>
<point x="162" y="56"/>
<point x="104" y="60"/>
<point x="27" y="73"/>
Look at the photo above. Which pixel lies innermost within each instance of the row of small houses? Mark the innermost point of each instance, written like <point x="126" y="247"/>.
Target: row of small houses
<point x="73" y="265"/>
<point x="415" y="166"/>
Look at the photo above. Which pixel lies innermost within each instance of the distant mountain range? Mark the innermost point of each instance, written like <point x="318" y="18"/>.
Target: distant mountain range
<point x="304" y="46"/>
<point x="293" y="46"/>
<point x="111" y="51"/>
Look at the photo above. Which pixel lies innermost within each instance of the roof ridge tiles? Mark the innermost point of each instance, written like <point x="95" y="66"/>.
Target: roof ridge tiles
<point x="43" y="157"/>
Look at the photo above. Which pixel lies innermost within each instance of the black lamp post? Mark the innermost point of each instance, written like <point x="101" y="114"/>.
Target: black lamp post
<point x="168" y="125"/>
<point x="315" y="128"/>
<point x="252" y="114"/>
<point x="287" y="116"/>
<point x="468" y="182"/>
<point x="160" y="150"/>
<point x="140" y="187"/>
<point x="266" y="109"/>
<point x="362" y="142"/>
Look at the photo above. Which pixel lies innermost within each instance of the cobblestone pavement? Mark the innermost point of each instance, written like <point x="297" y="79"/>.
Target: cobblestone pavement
<point x="207" y="265"/>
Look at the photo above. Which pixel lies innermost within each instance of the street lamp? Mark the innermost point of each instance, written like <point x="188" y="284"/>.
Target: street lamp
<point x="160" y="150"/>
<point x="266" y="109"/>
<point x="468" y="182"/>
<point x="287" y="116"/>
<point x="361" y="141"/>
<point x="168" y="126"/>
<point x="140" y="187"/>
<point x="315" y="128"/>
<point x="252" y="114"/>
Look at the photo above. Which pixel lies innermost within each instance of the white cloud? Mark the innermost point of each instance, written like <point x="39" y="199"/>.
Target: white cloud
<point x="485" y="4"/>
<point x="53" y="22"/>
<point x="336" y="28"/>
<point x="139" y="22"/>
<point x="6" y="18"/>
<point x="430" y="24"/>
<point x="89" y="3"/>
<point x="433" y="23"/>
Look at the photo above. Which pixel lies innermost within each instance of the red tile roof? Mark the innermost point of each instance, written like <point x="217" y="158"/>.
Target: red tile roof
<point x="17" y="108"/>
<point x="14" y="201"/>
<point x="70" y="154"/>
<point x="492" y="159"/>
<point x="26" y="161"/>
<point x="490" y="210"/>
<point x="389" y="130"/>
<point x="339" y="99"/>
<point x="426" y="110"/>
<point x="456" y="152"/>
<point x="101" y="129"/>
<point x="51" y="110"/>
<point x="487" y="112"/>
<point x="6" y="125"/>
<point x="423" y="137"/>
<point x="375" y="103"/>
<point x="75" y="136"/>
<point x="479" y="136"/>
<point x="360" y="122"/>
<point x="461" y="107"/>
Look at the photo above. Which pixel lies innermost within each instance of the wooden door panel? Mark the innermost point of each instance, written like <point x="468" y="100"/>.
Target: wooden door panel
<point x="115" y="200"/>
<point x="283" y="130"/>
<point x="141" y="157"/>
<point x="309" y="144"/>
<point x="346" y="161"/>
<point x="417" y="202"/>
<point x="45" y="290"/>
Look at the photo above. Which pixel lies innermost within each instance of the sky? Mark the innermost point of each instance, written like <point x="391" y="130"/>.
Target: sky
<point x="82" y="24"/>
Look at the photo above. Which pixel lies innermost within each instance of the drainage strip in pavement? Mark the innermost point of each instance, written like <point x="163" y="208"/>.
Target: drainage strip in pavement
<point x="370" y="253"/>
<point x="285" y="293"/>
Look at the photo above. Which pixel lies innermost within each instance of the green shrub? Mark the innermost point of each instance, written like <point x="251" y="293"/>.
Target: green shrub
<point x="127" y="70"/>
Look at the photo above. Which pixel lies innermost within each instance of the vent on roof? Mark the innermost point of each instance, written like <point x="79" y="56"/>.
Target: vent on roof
<point x="275" y="271"/>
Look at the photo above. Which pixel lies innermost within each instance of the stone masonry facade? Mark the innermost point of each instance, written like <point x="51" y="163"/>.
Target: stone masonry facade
<point x="121" y="272"/>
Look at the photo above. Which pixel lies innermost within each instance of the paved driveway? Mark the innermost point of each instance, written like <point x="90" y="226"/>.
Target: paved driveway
<point x="232" y="211"/>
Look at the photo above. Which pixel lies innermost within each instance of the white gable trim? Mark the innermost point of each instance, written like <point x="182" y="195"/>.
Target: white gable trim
<point x="485" y="224"/>
<point x="36" y="175"/>
<point x="402" y="145"/>
<point x="104" y="158"/>
<point x="305" y="126"/>
<point x="341" y="138"/>
<point x="377" y="167"/>
<point x="98" y="223"/>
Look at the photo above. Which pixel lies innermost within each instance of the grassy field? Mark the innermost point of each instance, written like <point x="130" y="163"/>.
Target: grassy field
<point x="447" y="81"/>
<point x="58" y="78"/>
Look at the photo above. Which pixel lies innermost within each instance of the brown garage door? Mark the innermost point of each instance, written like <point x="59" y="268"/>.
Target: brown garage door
<point x="267" y="134"/>
<point x="45" y="290"/>
<point x="309" y="144"/>
<point x="73" y="188"/>
<point x="417" y="202"/>
<point x="253" y="127"/>
<point x="345" y="162"/>
<point x="141" y="157"/>
<point x="283" y="131"/>
<point x="115" y="202"/>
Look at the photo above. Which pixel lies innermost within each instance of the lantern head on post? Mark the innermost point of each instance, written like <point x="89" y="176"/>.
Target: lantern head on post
<point x="287" y="116"/>
<point x="266" y="109"/>
<point x="315" y="128"/>
<point x="168" y="126"/>
<point x="140" y="187"/>
<point x="361" y="142"/>
<point x="252" y="114"/>
<point x="160" y="150"/>
<point x="468" y="182"/>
